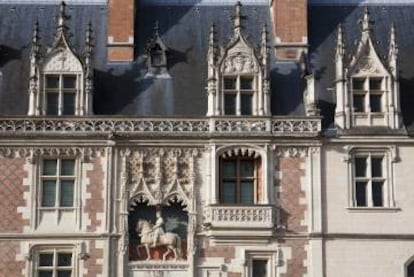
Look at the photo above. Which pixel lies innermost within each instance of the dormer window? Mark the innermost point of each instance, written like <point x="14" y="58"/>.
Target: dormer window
<point x="157" y="56"/>
<point x="367" y="88"/>
<point x="60" y="82"/>
<point x="238" y="77"/>
<point x="238" y="92"/>
<point x="368" y="94"/>
<point x="156" y="53"/>
<point x="60" y="92"/>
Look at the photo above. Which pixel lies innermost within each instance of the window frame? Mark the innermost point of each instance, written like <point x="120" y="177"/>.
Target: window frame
<point x="239" y="179"/>
<point x="238" y="91"/>
<point x="58" y="177"/>
<point x="272" y="258"/>
<point x="366" y="91"/>
<point x="61" y="91"/>
<point x="389" y="157"/>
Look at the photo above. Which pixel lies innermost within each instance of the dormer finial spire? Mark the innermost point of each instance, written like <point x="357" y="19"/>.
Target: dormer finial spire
<point x="340" y="45"/>
<point x="366" y="22"/>
<point x="237" y="19"/>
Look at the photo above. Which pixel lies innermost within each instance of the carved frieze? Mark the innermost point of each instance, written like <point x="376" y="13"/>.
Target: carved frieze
<point x="291" y="151"/>
<point x="238" y="64"/>
<point x="63" y="60"/>
<point x="159" y="175"/>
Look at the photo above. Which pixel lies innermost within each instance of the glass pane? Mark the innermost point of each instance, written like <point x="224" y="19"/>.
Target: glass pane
<point x="410" y="270"/>
<point x="230" y="104"/>
<point x="246" y="192"/>
<point x="64" y="259"/>
<point x="66" y="193"/>
<point x="358" y="84"/>
<point x="246" y="168"/>
<point x="229" y="192"/>
<point x="246" y="104"/>
<point x="376" y="167"/>
<point x="52" y="103"/>
<point x="52" y="81"/>
<point x="69" y="82"/>
<point x="48" y="193"/>
<point x="377" y="198"/>
<point x="69" y="103"/>
<point x="246" y="83"/>
<point x="375" y="103"/>
<point x="229" y="169"/>
<point x="229" y="83"/>
<point x="64" y="273"/>
<point x="68" y="168"/>
<point x="49" y="167"/>
<point x="375" y="84"/>
<point x="361" y="194"/>
<point x="46" y="259"/>
<point x="48" y="273"/>
<point x="359" y="103"/>
<point x="360" y="167"/>
<point x="156" y="59"/>
<point x="259" y="268"/>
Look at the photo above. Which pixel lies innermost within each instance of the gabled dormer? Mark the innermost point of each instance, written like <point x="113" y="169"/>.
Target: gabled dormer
<point x="61" y="82"/>
<point x="238" y="76"/>
<point x="367" y="88"/>
<point x="156" y="55"/>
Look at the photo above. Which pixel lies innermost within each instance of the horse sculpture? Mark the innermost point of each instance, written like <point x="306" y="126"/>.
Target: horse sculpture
<point x="171" y="240"/>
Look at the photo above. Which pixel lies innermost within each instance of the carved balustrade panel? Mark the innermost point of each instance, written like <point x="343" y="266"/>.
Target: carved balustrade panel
<point x="240" y="216"/>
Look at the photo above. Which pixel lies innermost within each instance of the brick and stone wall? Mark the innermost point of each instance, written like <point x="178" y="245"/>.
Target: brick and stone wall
<point x="121" y="16"/>
<point x="94" y="204"/>
<point x="9" y="266"/>
<point x="208" y="251"/>
<point x="296" y="264"/>
<point x="12" y="174"/>
<point x="94" y="263"/>
<point x="290" y="193"/>
<point x="290" y="25"/>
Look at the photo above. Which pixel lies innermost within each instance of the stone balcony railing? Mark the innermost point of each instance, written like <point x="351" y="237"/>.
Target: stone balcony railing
<point x="240" y="217"/>
<point x="217" y="126"/>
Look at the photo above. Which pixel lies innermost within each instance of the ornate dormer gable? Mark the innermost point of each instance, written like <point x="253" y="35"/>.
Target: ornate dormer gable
<point x="367" y="89"/>
<point x="61" y="83"/>
<point x="156" y="54"/>
<point x="238" y="76"/>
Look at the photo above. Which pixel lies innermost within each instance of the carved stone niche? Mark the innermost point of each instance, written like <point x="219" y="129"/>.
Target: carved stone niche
<point x="157" y="233"/>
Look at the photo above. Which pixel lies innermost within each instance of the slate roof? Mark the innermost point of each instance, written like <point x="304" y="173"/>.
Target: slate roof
<point x="122" y="89"/>
<point x="323" y="23"/>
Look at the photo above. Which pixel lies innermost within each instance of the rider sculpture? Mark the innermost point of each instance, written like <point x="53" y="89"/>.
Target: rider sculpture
<point x="154" y="235"/>
<point x="158" y="228"/>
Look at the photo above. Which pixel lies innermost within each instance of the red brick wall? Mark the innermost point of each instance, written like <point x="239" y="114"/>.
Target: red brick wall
<point x="290" y="25"/>
<point x="295" y="265"/>
<point x="290" y="192"/>
<point x="9" y="267"/>
<point x="93" y="269"/>
<point x="121" y="27"/>
<point x="95" y="204"/>
<point x="227" y="252"/>
<point x="11" y="195"/>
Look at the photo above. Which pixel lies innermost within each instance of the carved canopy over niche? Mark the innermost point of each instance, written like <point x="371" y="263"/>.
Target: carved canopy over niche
<point x="159" y="175"/>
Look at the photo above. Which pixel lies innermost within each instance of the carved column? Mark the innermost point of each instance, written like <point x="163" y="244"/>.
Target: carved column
<point x="123" y="243"/>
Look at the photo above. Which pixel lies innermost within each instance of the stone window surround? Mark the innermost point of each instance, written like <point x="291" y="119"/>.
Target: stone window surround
<point x="270" y="256"/>
<point x="389" y="154"/>
<point x="238" y="92"/>
<point x="37" y="208"/>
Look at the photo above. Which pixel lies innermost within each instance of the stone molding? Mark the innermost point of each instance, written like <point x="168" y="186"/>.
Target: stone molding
<point x="272" y="126"/>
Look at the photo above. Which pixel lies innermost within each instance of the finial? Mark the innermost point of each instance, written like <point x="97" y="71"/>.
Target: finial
<point x="366" y="22"/>
<point x="264" y="41"/>
<point x="237" y="18"/>
<point x="393" y="41"/>
<point x="156" y="29"/>
<point x="212" y="35"/>
<point x="340" y="45"/>
<point x="35" y="36"/>
<point x="89" y="39"/>
<point x="62" y="14"/>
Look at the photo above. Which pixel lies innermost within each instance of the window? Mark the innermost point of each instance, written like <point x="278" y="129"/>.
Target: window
<point x="410" y="269"/>
<point x="261" y="263"/>
<point x="368" y="94"/>
<point x="60" y="91"/>
<point x="57" y="183"/>
<point x="239" y="178"/>
<point x="238" y="95"/>
<point x="259" y="268"/>
<point x="54" y="263"/>
<point x="369" y="179"/>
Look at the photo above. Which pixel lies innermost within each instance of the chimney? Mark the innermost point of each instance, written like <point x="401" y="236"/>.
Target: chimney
<point x="121" y="16"/>
<point x="290" y="24"/>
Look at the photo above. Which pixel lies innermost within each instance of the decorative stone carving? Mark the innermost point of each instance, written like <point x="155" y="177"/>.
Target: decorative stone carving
<point x="63" y="61"/>
<point x="292" y="152"/>
<point x="31" y="153"/>
<point x="239" y="64"/>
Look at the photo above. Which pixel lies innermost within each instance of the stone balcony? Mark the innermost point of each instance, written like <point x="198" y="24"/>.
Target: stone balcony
<point x="233" y="223"/>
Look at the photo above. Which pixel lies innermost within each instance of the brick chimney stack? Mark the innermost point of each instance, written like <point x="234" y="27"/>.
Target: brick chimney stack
<point x="121" y="16"/>
<point x="290" y="24"/>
